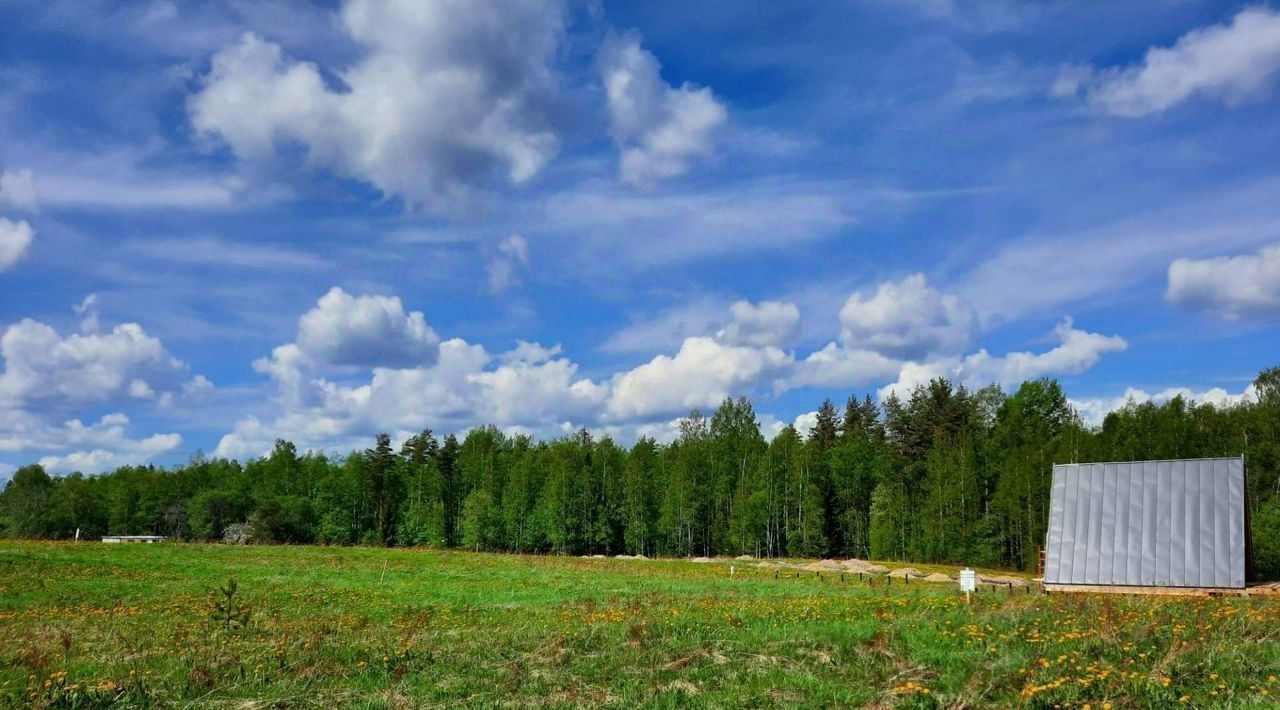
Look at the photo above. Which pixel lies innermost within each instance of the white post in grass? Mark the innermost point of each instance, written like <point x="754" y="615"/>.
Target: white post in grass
<point x="968" y="583"/>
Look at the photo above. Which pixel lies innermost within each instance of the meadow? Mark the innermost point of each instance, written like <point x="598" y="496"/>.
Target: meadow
<point x="94" y="625"/>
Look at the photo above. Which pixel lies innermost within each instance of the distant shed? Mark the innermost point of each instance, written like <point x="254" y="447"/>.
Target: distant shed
<point x="1148" y="526"/>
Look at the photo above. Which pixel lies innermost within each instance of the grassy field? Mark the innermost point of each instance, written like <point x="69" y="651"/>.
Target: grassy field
<point x="90" y="625"/>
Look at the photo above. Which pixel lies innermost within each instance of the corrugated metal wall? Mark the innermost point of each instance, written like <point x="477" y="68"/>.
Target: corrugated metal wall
<point x="1148" y="523"/>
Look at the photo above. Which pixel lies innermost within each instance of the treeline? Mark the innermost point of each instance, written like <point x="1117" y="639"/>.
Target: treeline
<point x="946" y="475"/>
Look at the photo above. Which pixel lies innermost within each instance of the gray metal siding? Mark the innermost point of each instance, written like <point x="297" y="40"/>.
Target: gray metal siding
<point x="1147" y="523"/>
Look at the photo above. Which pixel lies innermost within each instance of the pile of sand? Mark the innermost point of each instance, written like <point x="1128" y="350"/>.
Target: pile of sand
<point x="858" y="566"/>
<point x="766" y="565"/>
<point x="876" y="569"/>
<point x="938" y="577"/>
<point x="630" y="557"/>
<point x="904" y="572"/>
<point x="744" y="557"/>
<point x="823" y="566"/>
<point x="701" y="560"/>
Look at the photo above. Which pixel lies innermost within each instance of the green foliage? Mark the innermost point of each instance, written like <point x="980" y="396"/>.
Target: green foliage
<point x="1266" y="541"/>
<point x="228" y="613"/>
<point x="939" y="474"/>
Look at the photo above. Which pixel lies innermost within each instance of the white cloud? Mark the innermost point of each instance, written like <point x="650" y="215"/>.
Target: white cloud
<point x="45" y="374"/>
<point x="1230" y="286"/>
<point x="528" y="386"/>
<point x="445" y="97"/>
<point x="701" y="374"/>
<point x="804" y="423"/>
<point x="528" y="392"/>
<point x="41" y="365"/>
<point x="534" y="389"/>
<point x="761" y="324"/>
<point x="15" y="239"/>
<point x="18" y="189"/>
<point x="511" y="255"/>
<point x="1093" y="410"/>
<point x="1077" y="351"/>
<point x="87" y="310"/>
<point x="839" y="367"/>
<point x="366" y="331"/>
<point x="659" y="129"/>
<point x="90" y="448"/>
<point x="907" y="319"/>
<point x="1230" y="62"/>
<point x="98" y="460"/>
<point x="534" y="353"/>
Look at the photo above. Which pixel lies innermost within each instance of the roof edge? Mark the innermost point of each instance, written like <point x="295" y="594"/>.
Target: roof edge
<point x="1198" y="458"/>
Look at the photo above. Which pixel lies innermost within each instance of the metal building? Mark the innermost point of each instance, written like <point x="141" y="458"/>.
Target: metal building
<point x="1153" y="524"/>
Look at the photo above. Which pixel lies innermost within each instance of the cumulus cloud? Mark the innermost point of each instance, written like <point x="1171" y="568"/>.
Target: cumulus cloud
<point x="18" y="189"/>
<point x="836" y="367"/>
<point x="761" y="324"/>
<point x="46" y="374"/>
<point x="1229" y="286"/>
<point x="445" y="97"/>
<point x="125" y="453"/>
<point x="511" y="255"/>
<point x="366" y="331"/>
<point x="1231" y="62"/>
<point x="88" y="448"/>
<point x="907" y="319"/>
<point x="535" y="389"/>
<point x="701" y="374"/>
<point x="530" y="386"/>
<point x="659" y="129"/>
<point x="804" y="423"/>
<point x="15" y="239"/>
<point x="1077" y="351"/>
<point x="1094" y="409"/>
<point x="42" y="366"/>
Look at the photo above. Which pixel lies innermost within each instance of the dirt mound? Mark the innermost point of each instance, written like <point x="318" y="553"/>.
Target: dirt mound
<point x="701" y="560"/>
<point x="823" y="566"/>
<point x="904" y="572"/>
<point x="938" y="577"/>
<point x="876" y="569"/>
<point x="630" y="557"/>
<point x="744" y="557"/>
<point x="766" y="565"/>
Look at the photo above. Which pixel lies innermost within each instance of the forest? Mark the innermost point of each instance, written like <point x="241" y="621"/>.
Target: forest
<point x="947" y="474"/>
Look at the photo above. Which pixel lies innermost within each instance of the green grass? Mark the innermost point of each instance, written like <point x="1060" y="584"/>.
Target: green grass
<point x="88" y="625"/>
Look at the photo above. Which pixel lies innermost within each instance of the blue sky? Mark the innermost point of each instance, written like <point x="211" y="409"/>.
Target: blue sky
<point x="223" y="223"/>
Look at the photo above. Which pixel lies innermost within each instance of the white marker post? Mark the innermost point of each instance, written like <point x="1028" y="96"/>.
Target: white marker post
<point x="968" y="583"/>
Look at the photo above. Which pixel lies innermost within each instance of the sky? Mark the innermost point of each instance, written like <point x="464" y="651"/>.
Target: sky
<point x="223" y="223"/>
